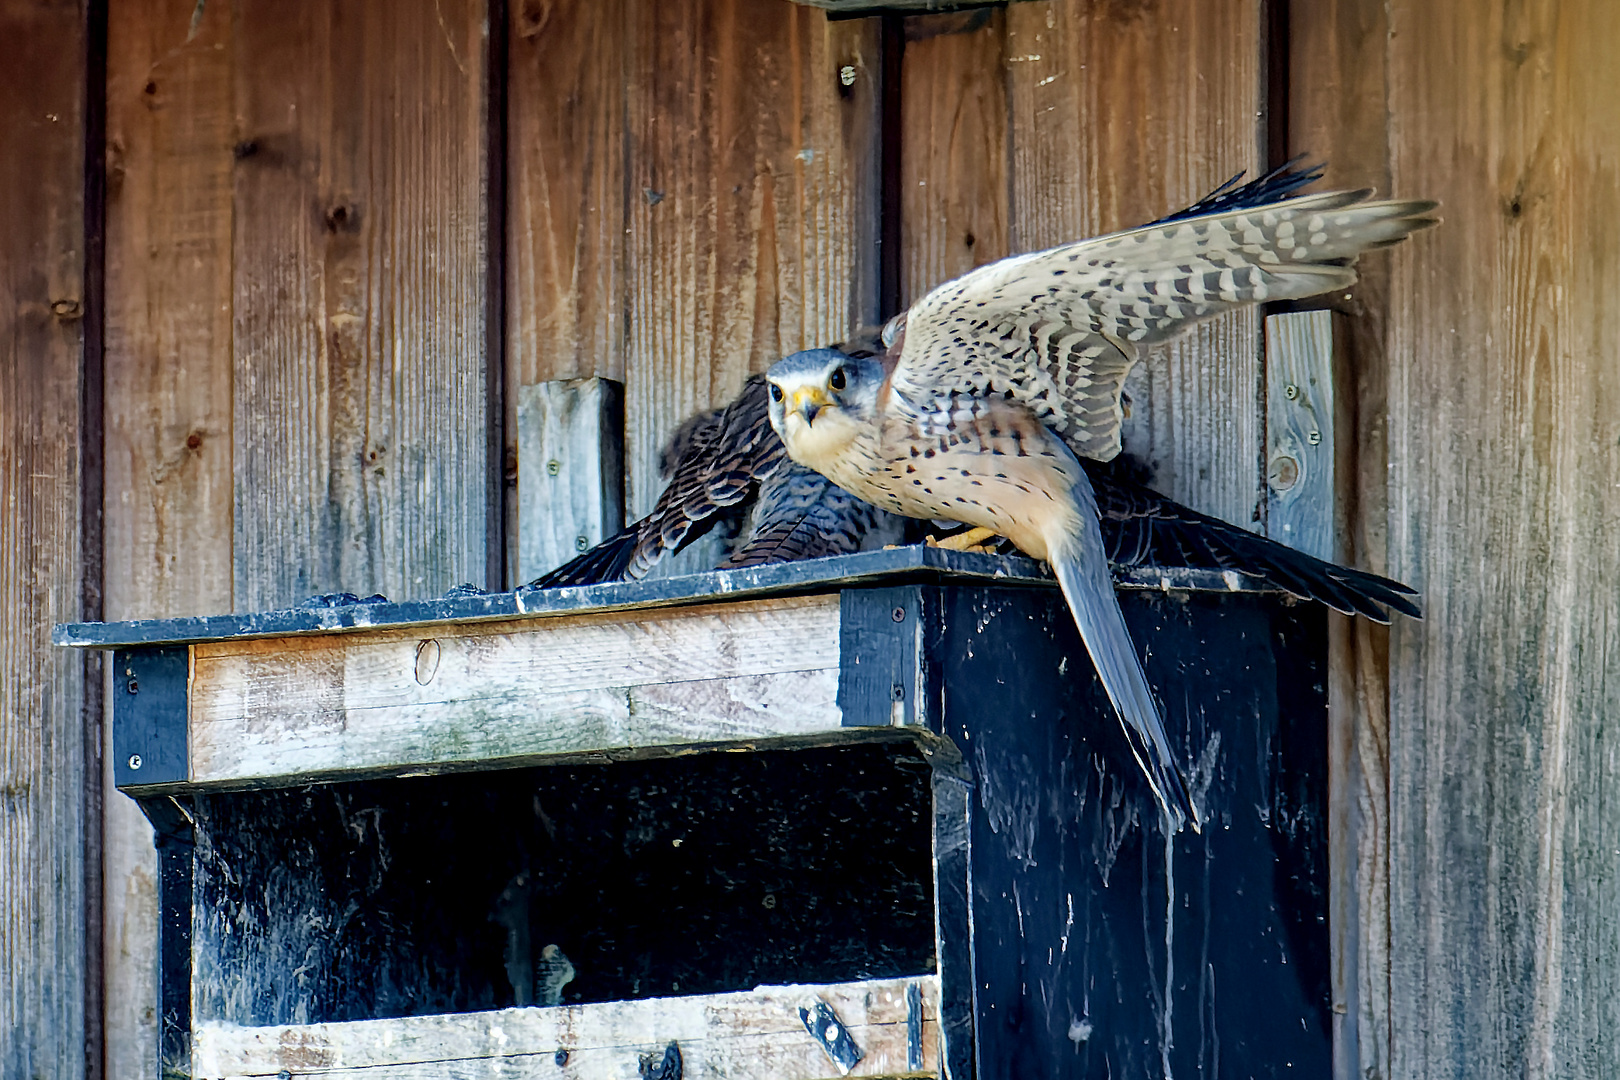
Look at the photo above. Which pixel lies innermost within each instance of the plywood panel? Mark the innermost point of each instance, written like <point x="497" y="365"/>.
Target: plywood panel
<point x="754" y="1033"/>
<point x="306" y="706"/>
<point x="1504" y="487"/>
<point x="359" y="299"/>
<point x="750" y="220"/>
<point x="1121" y="113"/>
<point x="42" y="737"/>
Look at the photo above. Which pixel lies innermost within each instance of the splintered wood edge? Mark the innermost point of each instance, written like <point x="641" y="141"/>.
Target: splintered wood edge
<point x="724" y="1026"/>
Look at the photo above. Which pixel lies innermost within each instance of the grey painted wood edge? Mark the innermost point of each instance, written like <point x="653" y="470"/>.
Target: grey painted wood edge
<point x="890" y="566"/>
<point x="1299" y="431"/>
<point x="570" y="470"/>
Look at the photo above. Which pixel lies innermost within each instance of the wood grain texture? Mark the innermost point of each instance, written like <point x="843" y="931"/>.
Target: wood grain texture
<point x="1299" y="431"/>
<point x="565" y="226"/>
<point x="570" y="470"/>
<point x="300" y="707"/>
<point x="754" y="1033"/>
<point x="1504" y="489"/>
<point x="565" y="237"/>
<point x="359" y="299"/>
<point x="953" y="156"/>
<point x="749" y="223"/>
<point x="1338" y="113"/>
<point x="42" y="731"/>
<point x="168" y="414"/>
<point x="1121" y="113"/>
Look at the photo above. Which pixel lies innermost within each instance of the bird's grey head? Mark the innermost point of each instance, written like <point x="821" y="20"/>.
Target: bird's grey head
<point x="822" y="398"/>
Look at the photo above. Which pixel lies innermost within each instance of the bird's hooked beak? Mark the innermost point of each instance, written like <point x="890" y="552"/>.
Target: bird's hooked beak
<point x="808" y="400"/>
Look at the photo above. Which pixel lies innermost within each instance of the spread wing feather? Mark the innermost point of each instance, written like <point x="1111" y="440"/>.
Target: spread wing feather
<point x="1059" y="329"/>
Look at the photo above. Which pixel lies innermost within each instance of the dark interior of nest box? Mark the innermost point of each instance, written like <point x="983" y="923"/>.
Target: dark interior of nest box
<point x="704" y="874"/>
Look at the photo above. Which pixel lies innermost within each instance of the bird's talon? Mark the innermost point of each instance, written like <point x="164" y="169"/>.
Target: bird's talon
<point x="972" y="540"/>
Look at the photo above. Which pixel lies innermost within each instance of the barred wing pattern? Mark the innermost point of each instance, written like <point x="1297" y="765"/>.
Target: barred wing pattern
<point x="715" y="465"/>
<point x="1059" y="330"/>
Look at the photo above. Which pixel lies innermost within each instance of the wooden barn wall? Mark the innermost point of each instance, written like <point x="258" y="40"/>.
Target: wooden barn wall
<point x="694" y="195"/>
<point x="1488" y="475"/>
<point x="1045" y="122"/>
<point x="43" y="870"/>
<point x="297" y="275"/>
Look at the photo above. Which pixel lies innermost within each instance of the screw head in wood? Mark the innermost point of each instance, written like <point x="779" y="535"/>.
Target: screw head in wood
<point x="561" y="1058"/>
<point x="846" y="75"/>
<point x="134" y="761"/>
<point x="1314" y="438"/>
<point x="582" y="543"/>
<point x="898" y="614"/>
<point x="553" y="467"/>
<point x="1291" y="392"/>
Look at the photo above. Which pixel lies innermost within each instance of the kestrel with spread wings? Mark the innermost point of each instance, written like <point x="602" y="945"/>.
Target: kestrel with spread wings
<point x="993" y="386"/>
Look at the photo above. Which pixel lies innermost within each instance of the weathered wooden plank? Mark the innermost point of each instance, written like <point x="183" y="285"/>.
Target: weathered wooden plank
<point x="359" y="299"/>
<point x="1504" y="489"/>
<point x="753" y="1033"/>
<point x="280" y="708"/>
<point x="570" y="470"/>
<point x="1299" y="431"/>
<point x="1338" y="113"/>
<point x="168" y="409"/>
<point x="565" y="233"/>
<point x="953" y="156"/>
<point x="43" y="909"/>
<point x="750" y="222"/>
<point x="1121" y="113"/>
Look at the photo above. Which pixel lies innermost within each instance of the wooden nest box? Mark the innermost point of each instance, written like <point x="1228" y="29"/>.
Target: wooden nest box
<point x="865" y="816"/>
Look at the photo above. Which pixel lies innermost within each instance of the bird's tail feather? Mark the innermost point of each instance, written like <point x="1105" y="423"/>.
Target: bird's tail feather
<point x="1082" y="571"/>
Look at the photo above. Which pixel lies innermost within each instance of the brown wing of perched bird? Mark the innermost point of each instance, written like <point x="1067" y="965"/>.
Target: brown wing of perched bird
<point x="729" y="463"/>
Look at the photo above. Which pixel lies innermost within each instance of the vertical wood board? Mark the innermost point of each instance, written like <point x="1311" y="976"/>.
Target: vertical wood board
<point x="1299" y="431"/>
<point x="1121" y="113"/>
<point x="565" y="237"/>
<point x="1338" y="55"/>
<point x="1504" y="487"/>
<point x="359" y="299"/>
<point x="570" y="470"/>
<point x="42" y="738"/>
<point x="750" y="218"/>
<point x="168" y="422"/>
<point x="953" y="155"/>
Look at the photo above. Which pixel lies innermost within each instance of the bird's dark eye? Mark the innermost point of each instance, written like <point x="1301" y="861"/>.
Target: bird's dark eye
<point x="776" y="392"/>
<point x="836" y="380"/>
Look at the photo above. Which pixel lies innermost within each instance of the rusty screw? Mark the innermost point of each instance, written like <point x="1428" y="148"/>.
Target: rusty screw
<point x="898" y="614"/>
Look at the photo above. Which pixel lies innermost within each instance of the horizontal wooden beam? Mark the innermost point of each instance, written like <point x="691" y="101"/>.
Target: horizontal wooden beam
<point x="485" y="692"/>
<point x="753" y="1033"/>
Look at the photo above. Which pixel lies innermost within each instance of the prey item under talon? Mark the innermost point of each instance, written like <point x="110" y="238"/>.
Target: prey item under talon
<point x="991" y="385"/>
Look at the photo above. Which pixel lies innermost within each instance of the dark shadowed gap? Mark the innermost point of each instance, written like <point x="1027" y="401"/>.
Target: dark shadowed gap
<point x="92" y="482"/>
<point x="495" y="516"/>
<point x="894" y="49"/>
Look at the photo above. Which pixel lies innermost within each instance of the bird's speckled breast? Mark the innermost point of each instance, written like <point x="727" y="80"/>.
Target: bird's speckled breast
<point x="991" y="464"/>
